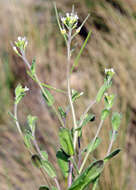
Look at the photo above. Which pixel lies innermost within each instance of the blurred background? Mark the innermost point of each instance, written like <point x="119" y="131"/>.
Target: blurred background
<point x="112" y="44"/>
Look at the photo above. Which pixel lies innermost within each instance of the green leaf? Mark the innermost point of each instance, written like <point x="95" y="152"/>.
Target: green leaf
<point x="95" y="183"/>
<point x="116" y="120"/>
<point x="88" y="176"/>
<point x="36" y="160"/>
<point x="75" y="64"/>
<point x="27" y="139"/>
<point x="44" y="188"/>
<point x="63" y="162"/>
<point x="111" y="155"/>
<point x="62" y="112"/>
<point x="109" y="100"/>
<point x="76" y="95"/>
<point x="66" y="142"/>
<point x="58" y="21"/>
<point x="30" y="75"/>
<point x="31" y="122"/>
<point x="101" y="93"/>
<point x="88" y="118"/>
<point x="93" y="145"/>
<point x="49" y="99"/>
<point x="33" y="67"/>
<point x="19" y="93"/>
<point x="53" y="88"/>
<point x="50" y="170"/>
<point x="53" y="188"/>
<point x="104" y="114"/>
<point x="44" y="154"/>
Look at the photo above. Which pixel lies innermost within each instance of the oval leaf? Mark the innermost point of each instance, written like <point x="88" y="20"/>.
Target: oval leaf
<point x="44" y="154"/>
<point x="63" y="162"/>
<point x="27" y="140"/>
<point x="115" y="120"/>
<point x="101" y="93"/>
<point x="88" y="176"/>
<point x="104" y="114"/>
<point x="36" y="160"/>
<point x="50" y="170"/>
<point x="66" y="142"/>
<point x="44" y="188"/>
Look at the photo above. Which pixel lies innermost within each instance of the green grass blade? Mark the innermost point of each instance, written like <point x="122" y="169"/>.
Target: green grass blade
<point x="58" y="21"/>
<point x="80" y="52"/>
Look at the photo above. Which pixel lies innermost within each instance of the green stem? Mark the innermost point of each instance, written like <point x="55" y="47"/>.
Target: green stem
<point x="68" y="87"/>
<point x="71" y="103"/>
<point x="17" y="123"/>
<point x="88" y="152"/>
<point x="111" y="143"/>
<point x="53" y="88"/>
<point x="86" y="111"/>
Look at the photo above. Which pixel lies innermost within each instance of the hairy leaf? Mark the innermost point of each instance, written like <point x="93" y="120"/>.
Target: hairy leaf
<point x="48" y="167"/>
<point x="88" y="176"/>
<point x="66" y="142"/>
<point x="63" y="162"/>
<point x="49" y="99"/>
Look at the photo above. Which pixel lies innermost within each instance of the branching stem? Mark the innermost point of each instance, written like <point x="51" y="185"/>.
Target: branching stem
<point x="42" y="89"/>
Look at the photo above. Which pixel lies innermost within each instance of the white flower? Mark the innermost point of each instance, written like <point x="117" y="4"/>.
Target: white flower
<point x="26" y="89"/>
<point x="109" y="71"/>
<point x="19" y="38"/>
<point x="70" y="20"/>
<point x="63" y="19"/>
<point x="67" y="15"/>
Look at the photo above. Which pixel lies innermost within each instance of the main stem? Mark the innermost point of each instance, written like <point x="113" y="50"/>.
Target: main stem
<point x="71" y="103"/>
<point x="68" y="87"/>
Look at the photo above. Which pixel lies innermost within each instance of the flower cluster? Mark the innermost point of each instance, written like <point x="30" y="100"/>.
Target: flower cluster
<point x="70" y="20"/>
<point x="109" y="72"/>
<point x="20" y="45"/>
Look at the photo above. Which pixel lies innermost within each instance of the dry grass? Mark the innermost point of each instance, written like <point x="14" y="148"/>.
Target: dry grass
<point x="113" y="48"/>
